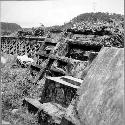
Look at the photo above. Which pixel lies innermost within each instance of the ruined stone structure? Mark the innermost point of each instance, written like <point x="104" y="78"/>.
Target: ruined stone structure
<point x="56" y="97"/>
<point x="61" y="63"/>
<point x="21" y="46"/>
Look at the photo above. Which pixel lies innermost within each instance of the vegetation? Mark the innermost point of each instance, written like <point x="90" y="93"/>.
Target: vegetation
<point x="91" y="18"/>
<point x="99" y="16"/>
<point x="15" y="85"/>
<point x="34" y="32"/>
<point x="8" y="28"/>
<point x="109" y="27"/>
<point x="54" y="29"/>
<point x="40" y="31"/>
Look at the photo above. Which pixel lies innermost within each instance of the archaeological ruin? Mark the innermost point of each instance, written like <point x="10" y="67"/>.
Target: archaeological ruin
<point x="63" y="65"/>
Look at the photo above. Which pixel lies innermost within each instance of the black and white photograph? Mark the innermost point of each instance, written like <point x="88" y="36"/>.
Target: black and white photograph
<point x="62" y="62"/>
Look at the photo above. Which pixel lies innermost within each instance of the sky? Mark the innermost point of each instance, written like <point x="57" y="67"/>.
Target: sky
<point x="54" y="12"/>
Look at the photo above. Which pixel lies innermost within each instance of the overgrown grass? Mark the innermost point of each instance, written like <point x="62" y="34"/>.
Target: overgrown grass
<point x="15" y="85"/>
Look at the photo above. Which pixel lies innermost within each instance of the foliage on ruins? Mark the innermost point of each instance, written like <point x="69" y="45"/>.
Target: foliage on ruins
<point x="110" y="27"/>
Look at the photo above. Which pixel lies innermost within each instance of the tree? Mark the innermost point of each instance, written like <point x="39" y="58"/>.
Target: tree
<point x="40" y="31"/>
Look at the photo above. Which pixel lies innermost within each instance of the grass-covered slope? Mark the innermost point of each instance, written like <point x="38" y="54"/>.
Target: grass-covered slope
<point x="105" y="17"/>
<point x="8" y="28"/>
<point x="16" y="85"/>
<point x="94" y="17"/>
<point x="102" y="91"/>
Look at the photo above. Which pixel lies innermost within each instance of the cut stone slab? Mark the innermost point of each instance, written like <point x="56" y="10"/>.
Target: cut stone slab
<point x="50" y="108"/>
<point x="67" y="80"/>
<point x="53" y="110"/>
<point x="34" y="102"/>
<point x="102" y="91"/>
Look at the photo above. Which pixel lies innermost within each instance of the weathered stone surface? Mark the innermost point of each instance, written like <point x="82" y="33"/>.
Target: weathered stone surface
<point x="78" y="69"/>
<point x="3" y="60"/>
<point x="5" y="123"/>
<point x="14" y="111"/>
<point x="102" y="91"/>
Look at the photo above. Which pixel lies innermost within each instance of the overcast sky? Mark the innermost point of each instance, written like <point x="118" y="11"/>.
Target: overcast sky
<point x="54" y="12"/>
